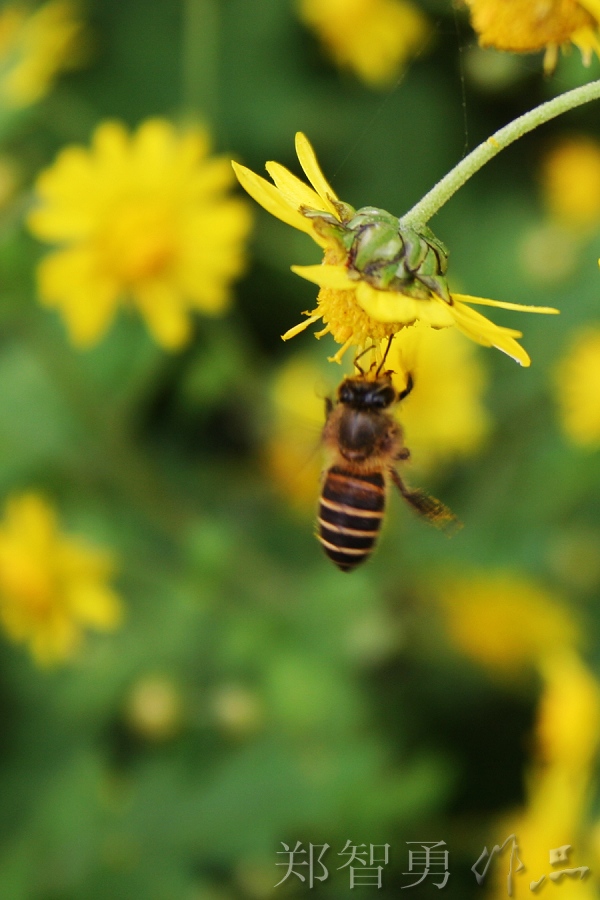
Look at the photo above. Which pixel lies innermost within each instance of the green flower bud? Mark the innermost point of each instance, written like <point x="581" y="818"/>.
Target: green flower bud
<point x="389" y="255"/>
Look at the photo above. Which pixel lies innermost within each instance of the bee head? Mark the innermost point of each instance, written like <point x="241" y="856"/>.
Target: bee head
<point x="363" y="393"/>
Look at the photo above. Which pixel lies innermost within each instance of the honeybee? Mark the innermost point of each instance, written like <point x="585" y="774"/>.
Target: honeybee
<point x="365" y="443"/>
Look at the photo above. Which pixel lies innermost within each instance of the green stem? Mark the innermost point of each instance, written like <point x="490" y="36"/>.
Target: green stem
<point x="467" y="167"/>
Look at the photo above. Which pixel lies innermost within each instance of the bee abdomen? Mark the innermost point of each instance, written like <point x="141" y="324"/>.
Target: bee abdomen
<point x="350" y="515"/>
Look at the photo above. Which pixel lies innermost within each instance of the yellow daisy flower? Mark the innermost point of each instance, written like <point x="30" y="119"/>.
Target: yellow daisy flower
<point x="52" y="587"/>
<point x="559" y="785"/>
<point x="505" y="622"/>
<point x="373" y="38"/>
<point x="528" y="26"/>
<point x="143" y="219"/>
<point x="378" y="276"/>
<point x="35" y="47"/>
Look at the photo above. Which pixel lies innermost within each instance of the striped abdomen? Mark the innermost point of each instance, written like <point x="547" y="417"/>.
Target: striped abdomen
<point x="350" y="515"/>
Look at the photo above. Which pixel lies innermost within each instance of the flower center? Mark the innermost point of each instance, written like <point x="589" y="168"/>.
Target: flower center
<point x="140" y="242"/>
<point x="344" y="317"/>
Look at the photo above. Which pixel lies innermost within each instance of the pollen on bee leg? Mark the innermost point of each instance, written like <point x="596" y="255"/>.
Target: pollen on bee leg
<point x="338" y="356"/>
<point x="292" y="332"/>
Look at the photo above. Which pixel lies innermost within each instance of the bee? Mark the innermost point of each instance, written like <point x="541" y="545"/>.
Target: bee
<point x="365" y="443"/>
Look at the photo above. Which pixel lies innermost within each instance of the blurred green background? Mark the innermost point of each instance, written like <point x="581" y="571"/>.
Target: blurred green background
<point x="253" y="694"/>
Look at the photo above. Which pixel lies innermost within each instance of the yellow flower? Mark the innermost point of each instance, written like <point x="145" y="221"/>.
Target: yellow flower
<point x="443" y="417"/>
<point x="559" y="784"/>
<point x="374" y="38"/>
<point x="570" y="178"/>
<point x="52" y="587"/>
<point x="578" y="388"/>
<point x="292" y="457"/>
<point x="143" y="219"/>
<point x="35" y="47"/>
<point x="527" y="26"/>
<point x="378" y="276"/>
<point x="504" y="621"/>
<point x="568" y="728"/>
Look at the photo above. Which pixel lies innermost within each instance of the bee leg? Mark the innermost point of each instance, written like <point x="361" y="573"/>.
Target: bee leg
<point x="410" y="383"/>
<point x="328" y="407"/>
<point x="427" y="506"/>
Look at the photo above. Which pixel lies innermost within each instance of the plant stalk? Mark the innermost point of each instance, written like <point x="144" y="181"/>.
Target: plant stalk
<point x="467" y="167"/>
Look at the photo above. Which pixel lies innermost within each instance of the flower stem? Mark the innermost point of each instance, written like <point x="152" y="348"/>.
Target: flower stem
<point x="467" y="167"/>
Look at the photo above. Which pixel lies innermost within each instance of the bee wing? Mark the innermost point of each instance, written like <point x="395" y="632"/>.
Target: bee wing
<point x="429" y="507"/>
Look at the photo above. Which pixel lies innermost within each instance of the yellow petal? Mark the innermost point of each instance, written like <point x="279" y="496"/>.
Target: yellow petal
<point x="392" y="306"/>
<point x="292" y="332"/>
<point x="592" y="6"/>
<point x="69" y="280"/>
<point x="111" y="142"/>
<point x="154" y="144"/>
<point x="482" y="331"/>
<point x="294" y="191"/>
<point x="335" y="277"/>
<point x="95" y="604"/>
<point x="312" y="170"/>
<point x="501" y="304"/>
<point x="481" y="323"/>
<point x="161" y="306"/>
<point x="587" y="41"/>
<point x="271" y="199"/>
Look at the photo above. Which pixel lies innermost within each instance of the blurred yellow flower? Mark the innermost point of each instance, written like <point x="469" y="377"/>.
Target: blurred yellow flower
<point x="153" y="708"/>
<point x="291" y="454"/>
<point x="52" y="587"/>
<point x="559" y="783"/>
<point x="373" y="38"/>
<point x="143" y="219"/>
<point x="570" y="176"/>
<point x="568" y="728"/>
<point x="35" y="46"/>
<point x="504" y="621"/>
<point x="378" y="275"/>
<point x="444" y="416"/>
<point x="578" y="388"/>
<point x="527" y="26"/>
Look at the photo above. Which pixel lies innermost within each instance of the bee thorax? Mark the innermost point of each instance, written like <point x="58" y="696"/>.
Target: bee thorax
<point x="361" y="434"/>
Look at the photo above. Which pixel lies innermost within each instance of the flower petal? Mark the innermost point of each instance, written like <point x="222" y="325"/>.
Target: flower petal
<point x="482" y="331"/>
<point x="69" y="279"/>
<point x="165" y="314"/>
<point x="292" y="332"/>
<point x="501" y="304"/>
<point x="334" y="277"/>
<point x="392" y="306"/>
<point x="294" y="191"/>
<point x="271" y="199"/>
<point x="592" y="6"/>
<point x="312" y="170"/>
